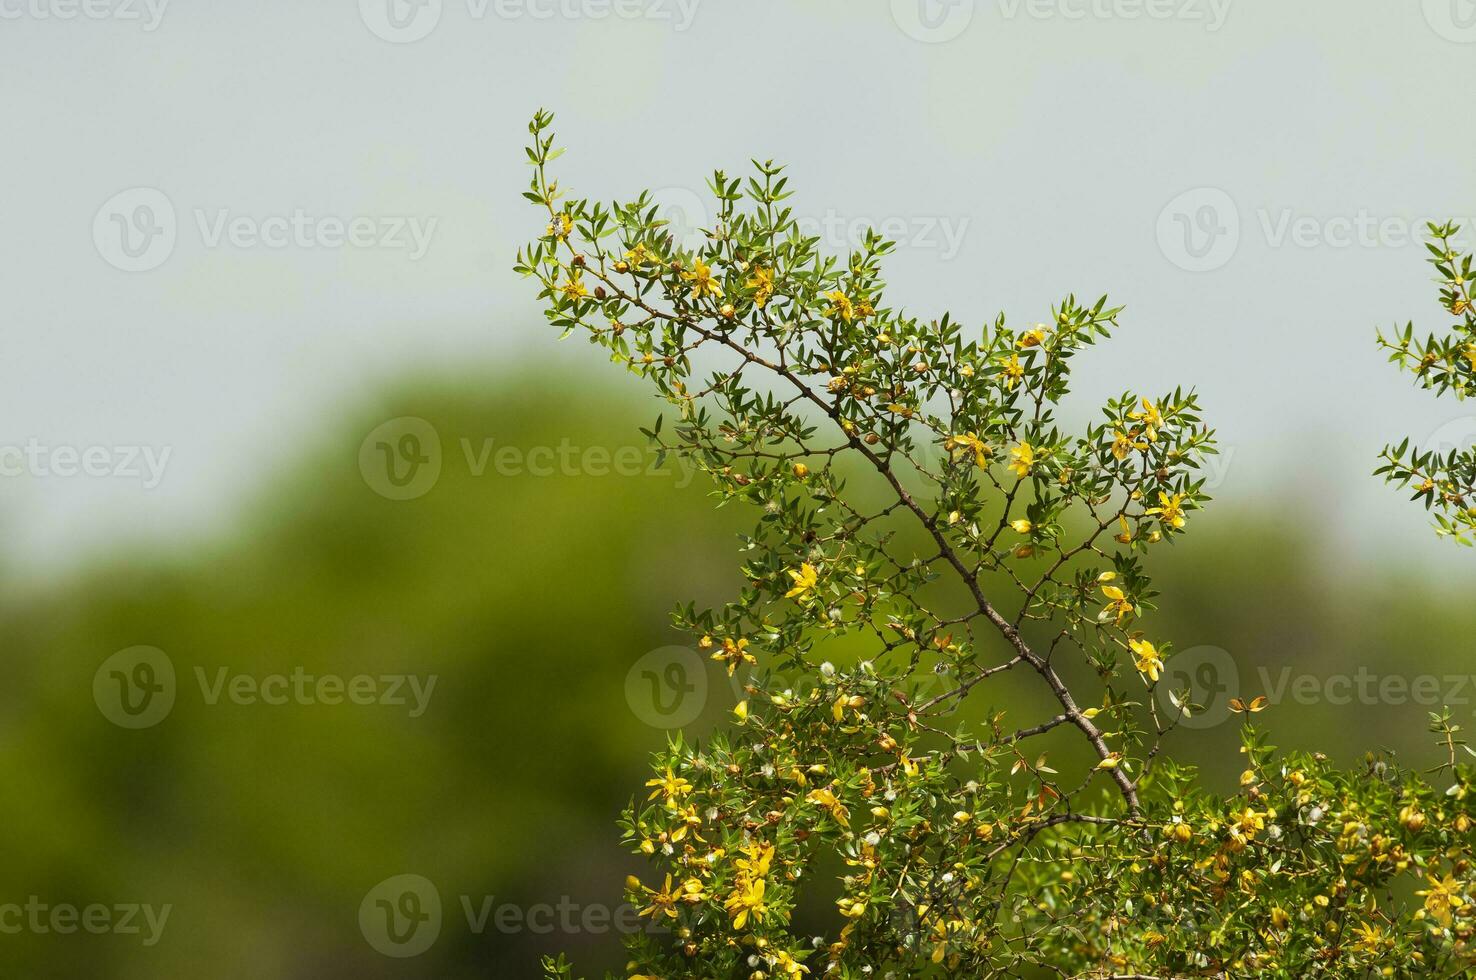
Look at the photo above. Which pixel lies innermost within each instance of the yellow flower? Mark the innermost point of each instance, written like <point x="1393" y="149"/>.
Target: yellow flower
<point x="827" y="799"/>
<point x="1370" y="939"/>
<point x="804" y="580"/>
<point x="1151" y="418"/>
<point x="1471" y="355"/>
<point x="969" y="441"/>
<point x="1022" y="460"/>
<point x="1033" y="337"/>
<point x="1013" y="371"/>
<point x="640" y="255"/>
<point x="1442" y="898"/>
<point x="762" y="284"/>
<point x="560" y="226"/>
<point x="1111" y="761"/>
<point x="1122" y="445"/>
<point x="1118" y="606"/>
<point x="575" y="288"/>
<point x="1170" y="510"/>
<point x="840" y="306"/>
<point x="854" y="702"/>
<point x="663" y="902"/>
<point x="747" y="900"/>
<point x="789" y="964"/>
<point x="1244" y="826"/>
<point x="734" y="653"/>
<point x="756" y="865"/>
<point x="703" y="284"/>
<point x="1022" y="526"/>
<point x="689" y="821"/>
<point x="670" y="786"/>
<point x="1149" y="661"/>
<point x="741" y="712"/>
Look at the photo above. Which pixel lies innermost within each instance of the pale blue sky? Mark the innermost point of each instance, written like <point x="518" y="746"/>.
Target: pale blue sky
<point x="1024" y="148"/>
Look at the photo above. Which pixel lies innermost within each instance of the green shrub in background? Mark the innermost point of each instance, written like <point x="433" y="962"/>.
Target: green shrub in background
<point x="264" y="826"/>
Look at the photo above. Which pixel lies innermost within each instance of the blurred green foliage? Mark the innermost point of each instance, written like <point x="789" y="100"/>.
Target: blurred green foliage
<point x="530" y="597"/>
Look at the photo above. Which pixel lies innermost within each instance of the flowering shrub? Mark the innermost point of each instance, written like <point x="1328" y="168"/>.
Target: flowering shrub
<point x="927" y="530"/>
<point x="1446" y="482"/>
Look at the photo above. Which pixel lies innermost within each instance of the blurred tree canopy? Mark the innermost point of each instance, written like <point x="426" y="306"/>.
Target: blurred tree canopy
<point x="530" y="597"/>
